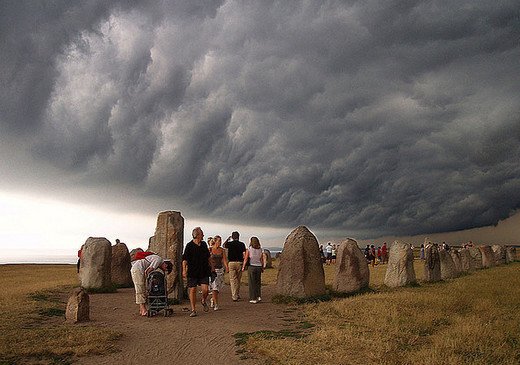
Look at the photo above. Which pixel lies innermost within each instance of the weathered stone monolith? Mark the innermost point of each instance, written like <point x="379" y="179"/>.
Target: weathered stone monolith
<point x="95" y="265"/>
<point x="510" y="254"/>
<point x="268" y="260"/>
<point x="400" y="270"/>
<point x="466" y="262"/>
<point x="134" y="252"/>
<point x="448" y="270"/>
<point x="476" y="257"/>
<point x="488" y="257"/>
<point x="457" y="260"/>
<point x="300" y="272"/>
<point x="78" y="306"/>
<point x="352" y="273"/>
<point x="168" y="243"/>
<point x="121" y="266"/>
<point x="432" y="264"/>
<point x="499" y="251"/>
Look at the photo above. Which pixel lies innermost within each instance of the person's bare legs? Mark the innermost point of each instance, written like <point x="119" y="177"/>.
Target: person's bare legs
<point x="215" y="297"/>
<point x="193" y="297"/>
<point x="205" y="291"/>
<point x="142" y="309"/>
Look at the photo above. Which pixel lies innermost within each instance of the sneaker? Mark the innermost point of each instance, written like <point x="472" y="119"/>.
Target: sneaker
<point x="254" y="301"/>
<point x="211" y="303"/>
<point x="205" y="305"/>
<point x="193" y="314"/>
<point x="259" y="299"/>
<point x="216" y="308"/>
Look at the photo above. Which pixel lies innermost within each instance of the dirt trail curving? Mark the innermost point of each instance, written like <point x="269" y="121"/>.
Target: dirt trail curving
<point x="179" y="339"/>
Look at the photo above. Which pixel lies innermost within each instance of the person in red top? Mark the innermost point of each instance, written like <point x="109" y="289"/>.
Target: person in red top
<point x="384" y="253"/>
<point x="79" y="258"/>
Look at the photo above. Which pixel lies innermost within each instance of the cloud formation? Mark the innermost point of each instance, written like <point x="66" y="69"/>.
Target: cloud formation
<point x="375" y="117"/>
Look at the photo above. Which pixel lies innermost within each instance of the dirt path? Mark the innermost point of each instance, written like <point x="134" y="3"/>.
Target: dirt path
<point x="179" y="339"/>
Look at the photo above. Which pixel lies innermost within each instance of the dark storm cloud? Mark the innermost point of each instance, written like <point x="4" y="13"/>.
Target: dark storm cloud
<point x="375" y="117"/>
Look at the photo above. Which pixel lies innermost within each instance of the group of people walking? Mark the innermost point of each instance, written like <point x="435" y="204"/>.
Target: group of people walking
<point x="381" y="254"/>
<point x="204" y="264"/>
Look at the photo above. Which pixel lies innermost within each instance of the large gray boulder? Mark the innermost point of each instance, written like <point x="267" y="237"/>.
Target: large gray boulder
<point x="121" y="266"/>
<point x="168" y="242"/>
<point x="476" y="257"/>
<point x="352" y="273"/>
<point x="400" y="270"/>
<point x="499" y="251"/>
<point x="457" y="260"/>
<point x="466" y="261"/>
<point x="510" y="254"/>
<point x="488" y="257"/>
<point x="268" y="260"/>
<point x="448" y="270"/>
<point x="432" y="263"/>
<point x="300" y="272"/>
<point x="95" y="264"/>
<point x="78" y="306"/>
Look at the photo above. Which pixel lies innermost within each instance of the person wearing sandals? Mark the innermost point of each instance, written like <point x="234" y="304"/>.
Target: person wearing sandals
<point x="196" y="269"/>
<point x="256" y="268"/>
<point x="218" y="263"/>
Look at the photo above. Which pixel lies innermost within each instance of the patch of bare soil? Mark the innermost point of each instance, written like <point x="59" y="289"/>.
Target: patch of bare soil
<point x="180" y="339"/>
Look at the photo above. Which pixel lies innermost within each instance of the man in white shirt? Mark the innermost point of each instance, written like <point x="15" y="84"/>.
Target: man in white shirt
<point x="328" y="253"/>
<point x="140" y="269"/>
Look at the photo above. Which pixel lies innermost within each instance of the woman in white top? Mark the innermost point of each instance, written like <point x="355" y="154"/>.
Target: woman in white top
<point x="256" y="268"/>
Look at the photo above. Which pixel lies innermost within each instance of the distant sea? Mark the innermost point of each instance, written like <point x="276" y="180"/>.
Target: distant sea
<point x="68" y="259"/>
<point x="54" y="259"/>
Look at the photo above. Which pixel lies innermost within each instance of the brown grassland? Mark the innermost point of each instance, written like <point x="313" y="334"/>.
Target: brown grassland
<point x="32" y="312"/>
<point x="474" y="319"/>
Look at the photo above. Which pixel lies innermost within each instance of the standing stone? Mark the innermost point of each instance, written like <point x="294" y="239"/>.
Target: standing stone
<point x="134" y="252"/>
<point x="78" y="306"/>
<point x="432" y="263"/>
<point x="300" y="272"/>
<point x="466" y="262"/>
<point x="476" y="257"/>
<point x="488" y="257"/>
<point x="510" y="254"/>
<point x="268" y="260"/>
<point x="400" y="270"/>
<point x="448" y="270"/>
<point x="95" y="265"/>
<point x="168" y="243"/>
<point x="121" y="266"/>
<point x="500" y="254"/>
<point x="457" y="260"/>
<point x="352" y="273"/>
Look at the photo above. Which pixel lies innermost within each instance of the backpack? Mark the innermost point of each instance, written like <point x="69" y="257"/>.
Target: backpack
<point x="142" y="255"/>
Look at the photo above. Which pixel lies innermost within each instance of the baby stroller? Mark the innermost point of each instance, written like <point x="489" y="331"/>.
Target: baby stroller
<point x="157" y="294"/>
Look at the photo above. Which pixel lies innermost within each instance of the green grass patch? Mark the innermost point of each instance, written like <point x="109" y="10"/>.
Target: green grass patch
<point x="241" y="338"/>
<point x="52" y="312"/>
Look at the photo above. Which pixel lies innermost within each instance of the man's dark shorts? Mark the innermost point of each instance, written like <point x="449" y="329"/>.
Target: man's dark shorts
<point x="193" y="282"/>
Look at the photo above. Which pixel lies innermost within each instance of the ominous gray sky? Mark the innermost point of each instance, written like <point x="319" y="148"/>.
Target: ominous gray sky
<point x="372" y="117"/>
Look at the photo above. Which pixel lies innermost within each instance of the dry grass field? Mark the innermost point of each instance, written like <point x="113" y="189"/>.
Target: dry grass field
<point x="32" y="327"/>
<point x="474" y="319"/>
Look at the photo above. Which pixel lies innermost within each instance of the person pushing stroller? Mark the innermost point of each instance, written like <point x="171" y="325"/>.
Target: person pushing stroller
<point x="140" y="269"/>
